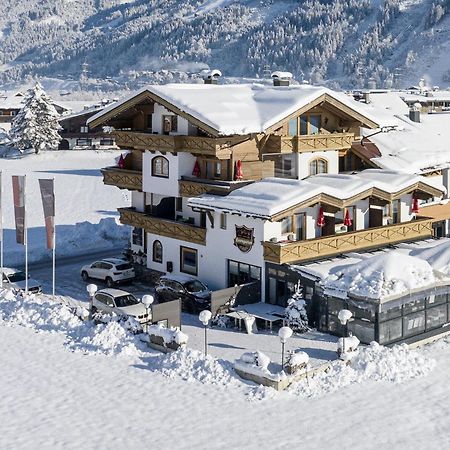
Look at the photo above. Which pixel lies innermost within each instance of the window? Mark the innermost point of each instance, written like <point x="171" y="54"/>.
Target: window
<point x="223" y="221"/>
<point x="396" y="211"/>
<point x="305" y="124"/>
<point x="293" y="127"/>
<point x="137" y="235"/>
<point x="213" y="169"/>
<point x="179" y="204"/>
<point x="84" y="129"/>
<point x="241" y="273"/>
<point x="84" y="142"/>
<point x="188" y="260"/>
<point x="436" y="316"/>
<point x="414" y="324"/>
<point x="317" y="166"/>
<point x="106" y="141"/>
<point x="390" y="331"/>
<point x="314" y="124"/>
<point x="286" y="225"/>
<point x="157" y="252"/>
<point x="300" y="219"/>
<point x="160" y="167"/>
<point x="149" y="122"/>
<point x="170" y="124"/>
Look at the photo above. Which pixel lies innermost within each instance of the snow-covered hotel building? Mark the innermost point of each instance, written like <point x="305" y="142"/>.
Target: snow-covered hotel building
<point x="241" y="183"/>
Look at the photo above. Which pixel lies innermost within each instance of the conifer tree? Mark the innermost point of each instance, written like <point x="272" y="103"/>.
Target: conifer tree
<point x="36" y="125"/>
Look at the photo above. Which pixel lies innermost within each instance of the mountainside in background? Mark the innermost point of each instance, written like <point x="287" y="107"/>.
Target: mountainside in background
<point x="131" y="42"/>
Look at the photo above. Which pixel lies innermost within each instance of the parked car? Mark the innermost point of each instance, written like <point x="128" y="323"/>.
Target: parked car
<point x="194" y="295"/>
<point x="15" y="279"/>
<point x="121" y="303"/>
<point x="110" y="270"/>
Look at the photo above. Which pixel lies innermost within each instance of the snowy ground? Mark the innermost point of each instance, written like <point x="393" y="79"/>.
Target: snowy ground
<point x="85" y="208"/>
<point x="66" y="383"/>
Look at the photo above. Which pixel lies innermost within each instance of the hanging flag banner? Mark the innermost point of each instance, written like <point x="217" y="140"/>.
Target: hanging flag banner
<point x="48" y="203"/>
<point x="18" y="183"/>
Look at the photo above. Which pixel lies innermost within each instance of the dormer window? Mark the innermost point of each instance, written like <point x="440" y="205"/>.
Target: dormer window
<point x="170" y="124"/>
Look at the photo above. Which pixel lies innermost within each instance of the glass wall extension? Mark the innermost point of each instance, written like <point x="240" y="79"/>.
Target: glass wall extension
<point x="405" y="319"/>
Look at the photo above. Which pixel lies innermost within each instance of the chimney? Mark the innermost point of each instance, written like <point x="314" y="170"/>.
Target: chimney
<point x="281" y="78"/>
<point x="414" y="112"/>
<point x="211" y="76"/>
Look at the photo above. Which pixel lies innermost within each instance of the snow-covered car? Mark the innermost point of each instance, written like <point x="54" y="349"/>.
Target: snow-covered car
<point x="15" y="279"/>
<point x="194" y="295"/>
<point x="110" y="270"/>
<point x="121" y="303"/>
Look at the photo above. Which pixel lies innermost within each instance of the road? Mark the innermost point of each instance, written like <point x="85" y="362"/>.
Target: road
<point x="68" y="279"/>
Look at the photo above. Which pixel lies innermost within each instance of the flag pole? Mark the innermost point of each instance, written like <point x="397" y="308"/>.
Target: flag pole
<point x="54" y="244"/>
<point x="26" y="234"/>
<point x="1" y="231"/>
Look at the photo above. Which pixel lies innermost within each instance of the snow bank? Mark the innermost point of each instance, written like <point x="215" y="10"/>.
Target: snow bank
<point x="169" y="335"/>
<point x="438" y="256"/>
<point x="43" y="315"/>
<point x="387" y="274"/>
<point x="374" y="363"/>
<point x="194" y="366"/>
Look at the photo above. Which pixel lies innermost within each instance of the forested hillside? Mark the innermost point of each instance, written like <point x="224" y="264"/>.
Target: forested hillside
<point x="346" y="42"/>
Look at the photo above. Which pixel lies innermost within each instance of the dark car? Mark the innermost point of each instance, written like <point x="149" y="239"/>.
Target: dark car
<point x="194" y="295"/>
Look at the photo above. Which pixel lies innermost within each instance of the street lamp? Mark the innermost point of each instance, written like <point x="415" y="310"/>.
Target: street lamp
<point x="147" y="301"/>
<point x="344" y="316"/>
<point x="205" y="317"/>
<point x="92" y="289"/>
<point x="284" y="334"/>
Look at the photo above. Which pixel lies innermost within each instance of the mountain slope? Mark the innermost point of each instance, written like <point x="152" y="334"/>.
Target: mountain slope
<point x="345" y="41"/>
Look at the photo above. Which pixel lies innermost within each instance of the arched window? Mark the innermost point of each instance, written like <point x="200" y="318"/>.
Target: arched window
<point x="318" y="165"/>
<point x="157" y="252"/>
<point x="160" y="167"/>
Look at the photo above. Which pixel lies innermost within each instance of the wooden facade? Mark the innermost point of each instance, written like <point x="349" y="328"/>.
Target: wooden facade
<point x="123" y="178"/>
<point x="309" y="143"/>
<point x="163" y="227"/>
<point x="299" y="251"/>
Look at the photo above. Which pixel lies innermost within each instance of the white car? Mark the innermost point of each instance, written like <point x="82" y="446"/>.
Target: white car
<point x="15" y="279"/>
<point x="121" y="303"/>
<point x="110" y="270"/>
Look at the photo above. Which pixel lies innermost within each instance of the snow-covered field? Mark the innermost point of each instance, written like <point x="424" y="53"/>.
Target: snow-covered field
<point x="67" y="383"/>
<point x="85" y="208"/>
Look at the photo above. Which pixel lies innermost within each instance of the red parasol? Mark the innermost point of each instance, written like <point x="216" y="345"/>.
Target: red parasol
<point x="415" y="205"/>
<point x="238" y="175"/>
<point x="347" y="220"/>
<point x="121" y="163"/>
<point x="321" y="218"/>
<point x="196" y="171"/>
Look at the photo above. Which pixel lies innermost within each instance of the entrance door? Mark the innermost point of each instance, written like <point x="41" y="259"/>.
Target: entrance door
<point x="375" y="217"/>
<point x="329" y="227"/>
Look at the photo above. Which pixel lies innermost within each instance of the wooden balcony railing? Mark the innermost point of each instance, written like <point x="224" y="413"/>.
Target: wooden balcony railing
<point x="310" y="143"/>
<point x="163" y="227"/>
<point x="298" y="251"/>
<point x="217" y="147"/>
<point x="123" y="178"/>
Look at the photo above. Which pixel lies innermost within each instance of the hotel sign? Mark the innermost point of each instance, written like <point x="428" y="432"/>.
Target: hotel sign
<point x="244" y="239"/>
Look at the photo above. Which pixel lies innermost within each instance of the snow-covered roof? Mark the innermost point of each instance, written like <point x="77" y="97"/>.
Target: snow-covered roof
<point x="11" y="100"/>
<point x="438" y="256"/>
<point x="271" y="196"/>
<point x="412" y="147"/>
<point x="385" y="275"/>
<point x="240" y="108"/>
<point x="437" y="96"/>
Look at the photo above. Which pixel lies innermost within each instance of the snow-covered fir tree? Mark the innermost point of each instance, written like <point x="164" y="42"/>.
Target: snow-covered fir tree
<point x="295" y="312"/>
<point x="36" y="125"/>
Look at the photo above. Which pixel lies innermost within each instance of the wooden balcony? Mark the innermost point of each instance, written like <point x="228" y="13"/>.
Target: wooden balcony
<point x="192" y="187"/>
<point x="298" y="251"/>
<point x="163" y="227"/>
<point x="216" y="147"/>
<point x="310" y="143"/>
<point x="123" y="178"/>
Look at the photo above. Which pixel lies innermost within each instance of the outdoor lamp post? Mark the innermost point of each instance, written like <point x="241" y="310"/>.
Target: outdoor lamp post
<point x="284" y="334"/>
<point x="147" y="301"/>
<point x="92" y="289"/>
<point x="344" y="316"/>
<point x="205" y="317"/>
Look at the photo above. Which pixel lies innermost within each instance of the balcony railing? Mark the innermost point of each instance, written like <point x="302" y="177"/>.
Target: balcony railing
<point x="310" y="143"/>
<point x="298" y="251"/>
<point x="163" y="227"/>
<point x="192" y="187"/>
<point x="123" y="178"/>
<point x="217" y="147"/>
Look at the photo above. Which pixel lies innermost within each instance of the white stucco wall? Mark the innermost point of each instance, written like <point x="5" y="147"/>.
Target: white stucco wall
<point x="304" y="158"/>
<point x="157" y="119"/>
<point x="137" y="200"/>
<point x="180" y="165"/>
